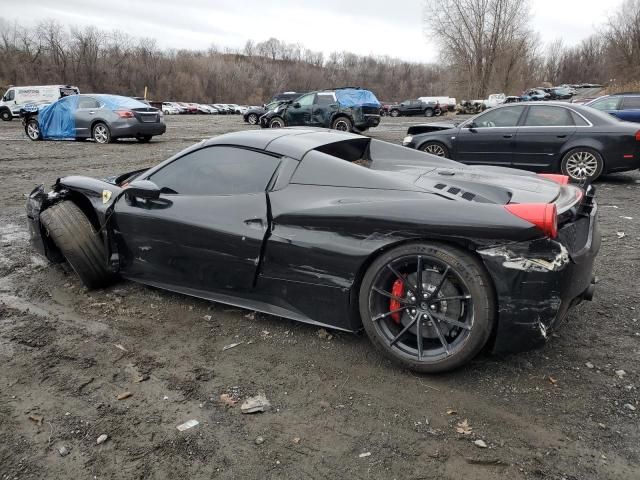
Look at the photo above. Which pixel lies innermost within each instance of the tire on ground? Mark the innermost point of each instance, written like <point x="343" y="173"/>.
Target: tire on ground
<point x="481" y="289"/>
<point x="75" y="237"/>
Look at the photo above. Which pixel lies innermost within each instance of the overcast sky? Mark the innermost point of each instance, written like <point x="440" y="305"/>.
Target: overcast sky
<point x="381" y="27"/>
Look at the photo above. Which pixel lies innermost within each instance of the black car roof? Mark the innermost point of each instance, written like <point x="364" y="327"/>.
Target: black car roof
<point x="291" y="141"/>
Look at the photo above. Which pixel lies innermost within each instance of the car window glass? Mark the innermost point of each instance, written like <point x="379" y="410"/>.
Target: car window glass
<point x="10" y="95"/>
<point x="324" y="99"/>
<point x="610" y="103"/>
<point x="539" y="116"/>
<point x="578" y="120"/>
<point x="88" y="102"/>
<point x="217" y="171"/>
<point x="306" y="100"/>
<point x="630" y="103"/>
<point x="500" y="117"/>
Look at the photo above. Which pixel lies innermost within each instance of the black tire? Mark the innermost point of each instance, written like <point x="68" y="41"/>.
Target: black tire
<point x="435" y="148"/>
<point x="101" y="134"/>
<point x="277" y="122"/>
<point x="342" y="124"/>
<point x="144" y="138"/>
<point x="6" y="115"/>
<point x="455" y="266"/>
<point x="32" y="129"/>
<point x="252" y="119"/>
<point x="428" y="112"/>
<point x="394" y="113"/>
<point x="75" y="237"/>
<point x="581" y="164"/>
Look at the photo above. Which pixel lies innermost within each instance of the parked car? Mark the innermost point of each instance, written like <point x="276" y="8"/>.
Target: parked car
<point x="347" y="109"/>
<point x="253" y="114"/>
<point x="494" y="100"/>
<point x="435" y="260"/>
<point x="512" y="99"/>
<point x="446" y="103"/>
<point x="285" y="96"/>
<point x="415" y="107"/>
<point x="168" y="108"/>
<point x="16" y="97"/>
<point x="104" y="118"/>
<point x="190" y="108"/>
<point x="552" y="137"/>
<point x="535" y="95"/>
<point x="625" y="106"/>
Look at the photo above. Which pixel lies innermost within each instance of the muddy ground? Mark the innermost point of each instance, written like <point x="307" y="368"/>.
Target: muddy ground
<point x="340" y="410"/>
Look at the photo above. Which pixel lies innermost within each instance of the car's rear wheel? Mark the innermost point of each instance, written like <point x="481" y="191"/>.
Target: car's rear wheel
<point x="75" y="237"/>
<point x="144" y="138"/>
<point x="342" y="124"/>
<point x="394" y="113"/>
<point x="435" y="148"/>
<point x="428" y="306"/>
<point x="582" y="164"/>
<point x="276" y="122"/>
<point x="6" y="115"/>
<point x="101" y="133"/>
<point x="32" y="128"/>
<point x="428" y="112"/>
<point x="252" y="119"/>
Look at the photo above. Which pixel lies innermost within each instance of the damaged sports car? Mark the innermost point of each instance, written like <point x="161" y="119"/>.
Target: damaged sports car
<point x="435" y="260"/>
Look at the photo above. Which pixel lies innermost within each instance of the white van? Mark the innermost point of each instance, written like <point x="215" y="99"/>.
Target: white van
<point x="16" y="97"/>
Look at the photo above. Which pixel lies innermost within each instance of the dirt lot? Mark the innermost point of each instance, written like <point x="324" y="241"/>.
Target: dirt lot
<point x="340" y="410"/>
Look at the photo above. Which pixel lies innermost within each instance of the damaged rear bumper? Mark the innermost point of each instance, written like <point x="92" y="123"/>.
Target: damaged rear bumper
<point x="537" y="282"/>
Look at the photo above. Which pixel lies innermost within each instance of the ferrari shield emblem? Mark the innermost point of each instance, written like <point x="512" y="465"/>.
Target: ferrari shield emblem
<point x="106" y="196"/>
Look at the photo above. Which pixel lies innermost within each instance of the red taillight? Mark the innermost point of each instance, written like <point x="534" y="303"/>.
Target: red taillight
<point x="561" y="179"/>
<point x="542" y="215"/>
<point x="124" y="113"/>
<point x="638" y="136"/>
<point x="398" y="291"/>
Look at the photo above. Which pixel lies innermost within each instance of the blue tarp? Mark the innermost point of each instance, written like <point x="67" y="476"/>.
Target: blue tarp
<point x="351" y="97"/>
<point x="57" y="121"/>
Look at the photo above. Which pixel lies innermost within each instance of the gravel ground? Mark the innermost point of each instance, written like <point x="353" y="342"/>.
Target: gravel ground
<point x="339" y="409"/>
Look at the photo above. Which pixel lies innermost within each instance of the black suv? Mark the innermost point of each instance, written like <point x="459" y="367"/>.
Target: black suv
<point x="347" y="109"/>
<point x="413" y="107"/>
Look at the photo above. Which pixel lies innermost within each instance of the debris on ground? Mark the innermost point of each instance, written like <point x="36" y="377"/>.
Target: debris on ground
<point x="207" y="317"/>
<point x="464" y="428"/>
<point x="228" y="399"/>
<point x="552" y="380"/>
<point x="480" y="443"/>
<point x="36" y="418"/>
<point x="102" y="438"/>
<point x="187" y="425"/>
<point x="365" y="454"/>
<point x="258" y="403"/>
<point x="620" y="234"/>
<point x="120" y="347"/>
<point x="142" y="378"/>
<point x="230" y="346"/>
<point x="259" y="440"/>
<point x="451" y="412"/>
<point x="296" y="440"/>
<point x="589" y="365"/>
<point x="124" y="395"/>
<point x="620" y="373"/>
<point x="324" y="334"/>
<point x="250" y="316"/>
<point x="628" y="406"/>
<point x="63" y="451"/>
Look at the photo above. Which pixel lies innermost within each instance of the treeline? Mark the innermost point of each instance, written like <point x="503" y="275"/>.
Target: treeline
<point x="496" y="52"/>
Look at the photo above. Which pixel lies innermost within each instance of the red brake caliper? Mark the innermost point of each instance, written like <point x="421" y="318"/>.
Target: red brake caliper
<point x="398" y="291"/>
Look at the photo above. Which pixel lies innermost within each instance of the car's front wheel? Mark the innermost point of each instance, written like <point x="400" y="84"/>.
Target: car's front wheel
<point x="6" y="115"/>
<point x="428" y="306"/>
<point x="582" y="164"/>
<point x="32" y="128"/>
<point x="75" y="237"/>
<point x="428" y="112"/>
<point x="342" y="124"/>
<point x="252" y="119"/>
<point x="276" y="122"/>
<point x="394" y="113"/>
<point x="435" y="148"/>
<point x="101" y="133"/>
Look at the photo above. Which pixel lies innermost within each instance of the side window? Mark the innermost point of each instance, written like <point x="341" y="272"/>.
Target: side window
<point x="307" y="100"/>
<point x="323" y="99"/>
<point x="500" y="117"/>
<point x="217" y="171"/>
<point x="88" y="102"/>
<point x="631" y="103"/>
<point x="578" y="120"/>
<point x="539" y="116"/>
<point x="10" y="95"/>
<point x="609" y="103"/>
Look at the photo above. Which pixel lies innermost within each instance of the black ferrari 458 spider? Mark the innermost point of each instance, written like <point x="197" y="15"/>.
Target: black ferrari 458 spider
<point x="434" y="259"/>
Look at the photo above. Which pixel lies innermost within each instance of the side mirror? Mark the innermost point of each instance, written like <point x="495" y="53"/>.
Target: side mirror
<point x="143" y="189"/>
<point x="296" y="105"/>
<point x="470" y="125"/>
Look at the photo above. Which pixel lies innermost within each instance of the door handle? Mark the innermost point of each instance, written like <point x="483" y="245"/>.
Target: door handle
<point x="561" y="136"/>
<point x="91" y="112"/>
<point x="507" y="136"/>
<point x="254" y="222"/>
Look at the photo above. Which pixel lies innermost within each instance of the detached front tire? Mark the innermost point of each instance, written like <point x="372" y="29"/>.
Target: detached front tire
<point x="429" y="306"/>
<point x="75" y="237"/>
